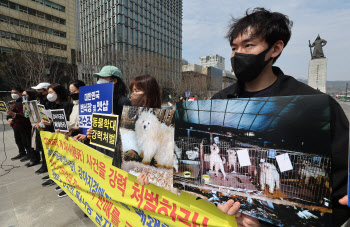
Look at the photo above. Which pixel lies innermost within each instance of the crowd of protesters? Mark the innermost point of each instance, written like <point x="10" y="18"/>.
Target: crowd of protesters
<point x="145" y="92"/>
<point x="257" y="40"/>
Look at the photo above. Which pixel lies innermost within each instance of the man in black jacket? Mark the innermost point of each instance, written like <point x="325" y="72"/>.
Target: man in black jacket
<point x="41" y="88"/>
<point x="257" y="40"/>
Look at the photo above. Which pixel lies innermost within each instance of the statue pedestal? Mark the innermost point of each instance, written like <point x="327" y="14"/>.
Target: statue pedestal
<point x="318" y="74"/>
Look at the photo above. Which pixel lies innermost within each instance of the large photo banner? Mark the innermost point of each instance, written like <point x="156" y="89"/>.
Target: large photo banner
<point x="272" y="154"/>
<point x="112" y="197"/>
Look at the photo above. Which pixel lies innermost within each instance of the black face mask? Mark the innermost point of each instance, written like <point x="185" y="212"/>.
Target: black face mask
<point x="74" y="96"/>
<point x="248" y="67"/>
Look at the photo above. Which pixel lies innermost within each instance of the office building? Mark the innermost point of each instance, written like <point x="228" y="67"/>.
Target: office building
<point x="214" y="60"/>
<point x="122" y="32"/>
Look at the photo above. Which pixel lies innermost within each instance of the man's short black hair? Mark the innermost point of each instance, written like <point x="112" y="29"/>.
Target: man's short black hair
<point x="18" y="88"/>
<point x="270" y="26"/>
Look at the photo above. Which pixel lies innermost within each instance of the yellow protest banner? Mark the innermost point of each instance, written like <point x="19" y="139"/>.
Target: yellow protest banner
<point x="112" y="197"/>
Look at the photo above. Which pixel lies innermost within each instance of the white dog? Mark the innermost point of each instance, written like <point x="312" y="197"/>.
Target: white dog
<point x="176" y="164"/>
<point x="269" y="176"/>
<point x="155" y="139"/>
<point x="192" y="155"/>
<point x="311" y="171"/>
<point x="232" y="159"/>
<point x="216" y="160"/>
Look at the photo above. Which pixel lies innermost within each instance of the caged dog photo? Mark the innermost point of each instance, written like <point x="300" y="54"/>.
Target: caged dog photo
<point x="147" y="144"/>
<point x="276" y="163"/>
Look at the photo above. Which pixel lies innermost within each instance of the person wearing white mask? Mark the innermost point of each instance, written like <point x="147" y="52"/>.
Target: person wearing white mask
<point x="20" y="124"/>
<point x="57" y="95"/>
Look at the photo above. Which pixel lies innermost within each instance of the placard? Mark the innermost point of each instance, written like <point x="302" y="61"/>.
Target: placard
<point x="3" y="107"/>
<point x="104" y="130"/>
<point x="96" y="98"/>
<point x="59" y="120"/>
<point x="31" y="108"/>
<point x="272" y="154"/>
<point x="44" y="113"/>
<point x="147" y="144"/>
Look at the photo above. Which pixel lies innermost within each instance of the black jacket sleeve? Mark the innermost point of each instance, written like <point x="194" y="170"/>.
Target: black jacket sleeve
<point x="340" y="161"/>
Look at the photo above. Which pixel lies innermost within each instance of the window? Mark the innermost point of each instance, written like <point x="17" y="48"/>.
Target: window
<point x="48" y="17"/>
<point x="48" y="3"/>
<point x="4" y="3"/>
<point x="40" y="14"/>
<point x="5" y="35"/>
<point x="32" y="12"/>
<point x="4" y="18"/>
<point x="13" y="6"/>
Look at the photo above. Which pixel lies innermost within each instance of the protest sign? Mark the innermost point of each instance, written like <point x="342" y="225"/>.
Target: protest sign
<point x="272" y="154"/>
<point x="44" y="113"/>
<point x="104" y="130"/>
<point x="59" y="120"/>
<point x="31" y="108"/>
<point x="94" y="99"/>
<point x="112" y="197"/>
<point x="3" y="107"/>
<point x="147" y="144"/>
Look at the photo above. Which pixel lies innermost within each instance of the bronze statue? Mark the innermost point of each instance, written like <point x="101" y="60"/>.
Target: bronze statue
<point x="317" y="45"/>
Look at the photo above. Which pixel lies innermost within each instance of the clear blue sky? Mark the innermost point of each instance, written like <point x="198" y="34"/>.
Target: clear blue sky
<point x="205" y="24"/>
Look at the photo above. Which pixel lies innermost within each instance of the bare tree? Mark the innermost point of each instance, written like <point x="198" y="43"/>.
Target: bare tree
<point x="133" y="64"/>
<point x="35" y="53"/>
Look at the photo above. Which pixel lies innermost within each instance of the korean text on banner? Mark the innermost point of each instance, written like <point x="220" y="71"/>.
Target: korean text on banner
<point x="112" y="197"/>
<point x="104" y="130"/>
<point x="94" y="99"/>
<point x="3" y="107"/>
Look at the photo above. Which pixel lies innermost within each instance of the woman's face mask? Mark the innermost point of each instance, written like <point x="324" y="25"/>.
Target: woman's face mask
<point x="15" y="96"/>
<point x="137" y="98"/>
<point x="74" y="96"/>
<point x="51" y="97"/>
<point x="102" y="81"/>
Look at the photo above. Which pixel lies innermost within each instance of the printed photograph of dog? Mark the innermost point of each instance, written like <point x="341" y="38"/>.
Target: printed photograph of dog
<point x="271" y="154"/>
<point x="147" y="144"/>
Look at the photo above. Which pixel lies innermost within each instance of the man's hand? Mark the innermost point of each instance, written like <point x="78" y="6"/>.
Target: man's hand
<point x="143" y="180"/>
<point x="45" y="122"/>
<point x="89" y="133"/>
<point x="80" y="137"/>
<point x="231" y="208"/>
<point x="344" y="200"/>
<point x="11" y="113"/>
<point x="10" y="121"/>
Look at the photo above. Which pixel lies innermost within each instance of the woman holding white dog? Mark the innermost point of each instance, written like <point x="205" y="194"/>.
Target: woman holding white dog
<point x="145" y="93"/>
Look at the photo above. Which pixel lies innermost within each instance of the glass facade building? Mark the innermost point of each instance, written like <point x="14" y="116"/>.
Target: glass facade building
<point x="112" y="29"/>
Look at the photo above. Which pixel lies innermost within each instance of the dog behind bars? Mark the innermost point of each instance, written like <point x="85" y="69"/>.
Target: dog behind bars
<point x="269" y="176"/>
<point x="215" y="160"/>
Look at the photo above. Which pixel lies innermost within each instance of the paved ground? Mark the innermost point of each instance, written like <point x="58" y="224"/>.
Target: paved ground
<point x="346" y="108"/>
<point x="24" y="202"/>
